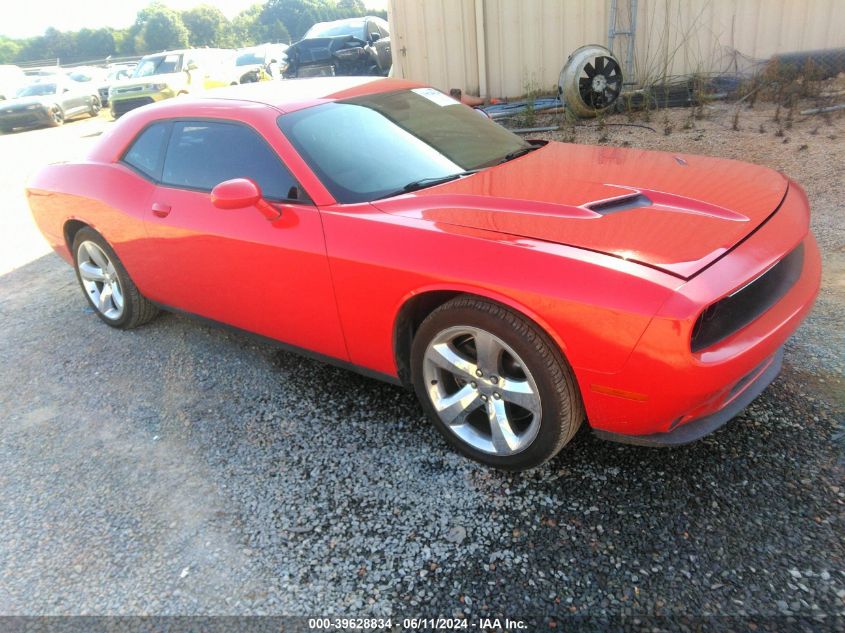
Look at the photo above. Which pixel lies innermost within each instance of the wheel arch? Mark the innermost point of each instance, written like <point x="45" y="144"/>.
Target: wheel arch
<point x="71" y="227"/>
<point x="417" y="305"/>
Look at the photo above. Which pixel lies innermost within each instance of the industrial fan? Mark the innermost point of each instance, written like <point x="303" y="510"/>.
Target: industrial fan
<point x="591" y="80"/>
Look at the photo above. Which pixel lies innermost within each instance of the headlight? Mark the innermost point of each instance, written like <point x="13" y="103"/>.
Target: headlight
<point x="157" y="87"/>
<point x="111" y="92"/>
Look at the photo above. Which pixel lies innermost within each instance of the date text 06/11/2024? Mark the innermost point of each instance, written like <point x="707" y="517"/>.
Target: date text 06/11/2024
<point x="417" y="624"/>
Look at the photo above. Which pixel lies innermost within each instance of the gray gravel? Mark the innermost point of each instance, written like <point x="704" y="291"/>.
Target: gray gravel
<point x="180" y="469"/>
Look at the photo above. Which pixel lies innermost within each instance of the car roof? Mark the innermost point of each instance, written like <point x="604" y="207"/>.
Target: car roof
<point x="294" y="94"/>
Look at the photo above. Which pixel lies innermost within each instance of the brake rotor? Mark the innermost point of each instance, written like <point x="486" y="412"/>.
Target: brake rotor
<point x="591" y="80"/>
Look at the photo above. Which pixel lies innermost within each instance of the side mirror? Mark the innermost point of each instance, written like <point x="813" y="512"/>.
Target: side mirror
<point x="191" y="66"/>
<point x="375" y="37"/>
<point x="240" y="193"/>
<point x="66" y="90"/>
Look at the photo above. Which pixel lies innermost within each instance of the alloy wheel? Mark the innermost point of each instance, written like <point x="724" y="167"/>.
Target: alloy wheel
<point x="100" y="280"/>
<point x="482" y="391"/>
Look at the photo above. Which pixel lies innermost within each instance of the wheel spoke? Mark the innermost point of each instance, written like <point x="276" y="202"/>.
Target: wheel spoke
<point x="90" y="272"/>
<point x="116" y="295"/>
<point x="454" y="409"/>
<point x="520" y="393"/>
<point x="447" y="358"/>
<point x="504" y="439"/>
<point x="104" y="304"/>
<point x="97" y="255"/>
<point x="488" y="351"/>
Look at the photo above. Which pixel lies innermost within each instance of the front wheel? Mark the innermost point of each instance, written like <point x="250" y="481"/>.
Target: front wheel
<point x="94" y="109"/>
<point x="494" y="385"/>
<point x="106" y="284"/>
<point x="57" y="117"/>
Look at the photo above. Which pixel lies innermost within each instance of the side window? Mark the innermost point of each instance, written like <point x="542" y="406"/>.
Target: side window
<point x="145" y="153"/>
<point x="371" y="29"/>
<point x="202" y="154"/>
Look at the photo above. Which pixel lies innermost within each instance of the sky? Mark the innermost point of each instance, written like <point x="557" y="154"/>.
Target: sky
<point x="19" y="19"/>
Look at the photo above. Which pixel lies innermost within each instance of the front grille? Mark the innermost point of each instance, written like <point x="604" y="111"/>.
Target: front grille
<point x="734" y="312"/>
<point x="125" y="105"/>
<point x="315" y="71"/>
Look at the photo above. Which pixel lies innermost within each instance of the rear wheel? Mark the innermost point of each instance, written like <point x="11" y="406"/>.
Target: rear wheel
<point x="494" y="385"/>
<point x="107" y="285"/>
<point x="94" y="109"/>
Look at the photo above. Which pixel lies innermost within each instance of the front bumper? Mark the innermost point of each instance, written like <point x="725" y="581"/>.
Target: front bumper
<point x="24" y="118"/>
<point x="751" y="387"/>
<point x="122" y="102"/>
<point x="665" y="386"/>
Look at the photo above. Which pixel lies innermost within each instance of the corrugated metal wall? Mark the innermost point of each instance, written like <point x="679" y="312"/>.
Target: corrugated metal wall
<point x="505" y="47"/>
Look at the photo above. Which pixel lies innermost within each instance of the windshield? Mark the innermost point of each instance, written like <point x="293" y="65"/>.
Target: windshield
<point x="368" y="147"/>
<point x="250" y="57"/>
<point x="354" y="28"/>
<point x="158" y="65"/>
<point x="37" y="90"/>
<point x="121" y="73"/>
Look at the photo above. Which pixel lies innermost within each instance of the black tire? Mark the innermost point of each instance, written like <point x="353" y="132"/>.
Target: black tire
<point x="95" y="107"/>
<point x="57" y="116"/>
<point x="137" y="309"/>
<point x="562" y="410"/>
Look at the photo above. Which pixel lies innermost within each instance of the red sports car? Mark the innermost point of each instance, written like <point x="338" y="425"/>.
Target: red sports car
<point x="519" y="287"/>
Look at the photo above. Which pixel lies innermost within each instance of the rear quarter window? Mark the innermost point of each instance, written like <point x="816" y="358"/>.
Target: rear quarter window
<point x="144" y="155"/>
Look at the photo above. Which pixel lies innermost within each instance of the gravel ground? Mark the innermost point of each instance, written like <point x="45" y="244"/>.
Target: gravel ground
<point x="180" y="469"/>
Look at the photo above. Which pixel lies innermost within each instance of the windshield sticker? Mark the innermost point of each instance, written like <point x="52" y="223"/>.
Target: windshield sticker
<point x="435" y="96"/>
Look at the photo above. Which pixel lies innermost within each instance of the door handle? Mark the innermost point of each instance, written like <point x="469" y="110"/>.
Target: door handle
<point x="161" y="210"/>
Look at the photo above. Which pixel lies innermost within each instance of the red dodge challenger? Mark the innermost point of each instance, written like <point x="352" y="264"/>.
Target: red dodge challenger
<point x="519" y="287"/>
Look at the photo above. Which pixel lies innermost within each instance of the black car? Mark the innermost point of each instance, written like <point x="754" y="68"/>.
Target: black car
<point x="50" y="101"/>
<point x="355" y="46"/>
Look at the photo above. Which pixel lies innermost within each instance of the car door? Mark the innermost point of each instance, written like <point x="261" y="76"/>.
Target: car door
<point x="70" y="97"/>
<point x="382" y="46"/>
<point x="236" y="266"/>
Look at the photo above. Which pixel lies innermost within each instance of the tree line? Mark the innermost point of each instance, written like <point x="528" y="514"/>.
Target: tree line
<point x="158" y="27"/>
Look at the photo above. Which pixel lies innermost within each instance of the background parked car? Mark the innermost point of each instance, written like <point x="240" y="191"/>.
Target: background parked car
<point x="171" y="73"/>
<point x="44" y="71"/>
<point x="261" y="62"/>
<point x="356" y="46"/>
<point x="49" y="101"/>
<point x="116" y="73"/>
<point x="12" y="79"/>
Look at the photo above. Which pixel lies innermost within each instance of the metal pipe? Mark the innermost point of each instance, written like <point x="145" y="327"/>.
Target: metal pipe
<point x="481" y="48"/>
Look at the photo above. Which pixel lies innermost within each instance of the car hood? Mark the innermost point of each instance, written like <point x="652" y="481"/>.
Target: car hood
<point x="675" y="212"/>
<point x="22" y="102"/>
<point x="142" y="82"/>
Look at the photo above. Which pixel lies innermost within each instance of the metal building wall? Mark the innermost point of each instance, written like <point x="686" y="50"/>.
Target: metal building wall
<point x="505" y="47"/>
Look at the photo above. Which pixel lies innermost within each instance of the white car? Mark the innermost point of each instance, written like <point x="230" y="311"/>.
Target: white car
<point x="12" y="79"/>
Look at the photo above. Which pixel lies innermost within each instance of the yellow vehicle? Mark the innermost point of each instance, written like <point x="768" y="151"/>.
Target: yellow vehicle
<point x="169" y="74"/>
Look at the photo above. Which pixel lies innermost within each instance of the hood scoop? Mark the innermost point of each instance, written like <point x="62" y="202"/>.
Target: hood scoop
<point x="625" y="203"/>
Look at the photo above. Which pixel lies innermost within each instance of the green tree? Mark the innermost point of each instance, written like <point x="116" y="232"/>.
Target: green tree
<point x="247" y="28"/>
<point x="298" y="15"/>
<point x="9" y="50"/>
<point x="207" y="26"/>
<point x="94" y="44"/>
<point x="158" y="28"/>
<point x="351" y="8"/>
